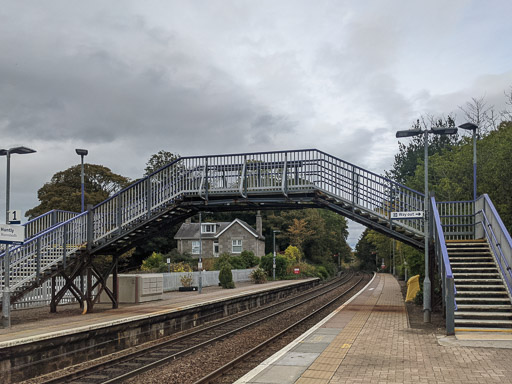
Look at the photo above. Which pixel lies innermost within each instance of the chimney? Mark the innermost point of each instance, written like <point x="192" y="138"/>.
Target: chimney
<point x="188" y="220"/>
<point x="259" y="224"/>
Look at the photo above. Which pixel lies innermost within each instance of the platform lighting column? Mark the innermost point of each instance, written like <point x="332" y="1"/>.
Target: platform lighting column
<point x="474" y="128"/>
<point x="274" y="258"/>
<point x="82" y="153"/>
<point x="6" y="302"/>
<point x="200" y="264"/>
<point x="427" y="285"/>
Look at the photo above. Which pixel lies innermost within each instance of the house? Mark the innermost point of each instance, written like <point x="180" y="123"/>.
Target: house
<point x="221" y="237"/>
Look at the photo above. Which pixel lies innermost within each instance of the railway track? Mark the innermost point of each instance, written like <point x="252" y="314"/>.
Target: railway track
<point x="122" y="368"/>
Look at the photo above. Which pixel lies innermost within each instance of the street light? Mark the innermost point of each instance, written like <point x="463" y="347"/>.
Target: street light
<point x="82" y="153"/>
<point x="200" y="263"/>
<point x="274" y="259"/>
<point x="427" y="286"/>
<point x="6" y="302"/>
<point x="474" y="128"/>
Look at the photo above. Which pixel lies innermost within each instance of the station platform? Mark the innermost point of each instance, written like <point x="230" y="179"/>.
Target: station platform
<point x="41" y="325"/>
<point x="369" y="340"/>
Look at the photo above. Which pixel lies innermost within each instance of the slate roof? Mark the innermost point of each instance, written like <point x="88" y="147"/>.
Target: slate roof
<point x="191" y="230"/>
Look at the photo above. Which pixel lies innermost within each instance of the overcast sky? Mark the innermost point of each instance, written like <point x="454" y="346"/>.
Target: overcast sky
<point x="126" y="79"/>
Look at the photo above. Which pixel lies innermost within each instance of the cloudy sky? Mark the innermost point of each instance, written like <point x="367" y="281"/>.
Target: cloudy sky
<point x="126" y="79"/>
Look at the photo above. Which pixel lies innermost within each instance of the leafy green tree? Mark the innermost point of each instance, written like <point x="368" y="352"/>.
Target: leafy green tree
<point x="63" y="191"/>
<point x="159" y="160"/>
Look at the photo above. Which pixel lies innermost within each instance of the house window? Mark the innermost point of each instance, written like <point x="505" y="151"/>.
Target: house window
<point x="236" y="246"/>
<point x="196" y="247"/>
<point x="216" y="248"/>
<point x="207" y="228"/>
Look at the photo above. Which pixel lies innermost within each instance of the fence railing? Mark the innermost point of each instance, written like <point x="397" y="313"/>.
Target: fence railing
<point x="445" y="269"/>
<point x="491" y="227"/>
<point x="235" y="175"/>
<point x="458" y="219"/>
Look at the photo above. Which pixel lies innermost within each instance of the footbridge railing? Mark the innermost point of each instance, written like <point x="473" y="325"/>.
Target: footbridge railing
<point x="289" y="176"/>
<point x="445" y="269"/>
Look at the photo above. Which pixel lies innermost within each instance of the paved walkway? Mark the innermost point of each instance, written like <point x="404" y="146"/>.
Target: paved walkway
<point x="369" y="341"/>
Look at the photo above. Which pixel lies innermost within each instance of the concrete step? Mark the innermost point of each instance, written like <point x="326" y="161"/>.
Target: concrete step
<point x="479" y="300"/>
<point x="484" y="323"/>
<point x="480" y="288"/>
<point x="471" y="261"/>
<point x="480" y="281"/>
<point x="483" y="315"/>
<point x="476" y="275"/>
<point x="484" y="307"/>
<point x="473" y="265"/>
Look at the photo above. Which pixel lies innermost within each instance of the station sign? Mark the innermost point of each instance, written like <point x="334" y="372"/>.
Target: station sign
<point x="12" y="234"/>
<point x="407" y="215"/>
<point x="14" y="216"/>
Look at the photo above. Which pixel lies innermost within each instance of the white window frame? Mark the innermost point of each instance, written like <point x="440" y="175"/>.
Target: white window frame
<point x="196" y="247"/>
<point x="238" y="244"/>
<point x="208" y="228"/>
<point x="215" y="248"/>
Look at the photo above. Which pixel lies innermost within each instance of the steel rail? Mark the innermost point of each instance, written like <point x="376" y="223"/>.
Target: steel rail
<point x="324" y="288"/>
<point x="227" y="367"/>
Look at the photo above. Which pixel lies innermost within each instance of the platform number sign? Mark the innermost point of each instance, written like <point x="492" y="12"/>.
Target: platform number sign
<point x="14" y="217"/>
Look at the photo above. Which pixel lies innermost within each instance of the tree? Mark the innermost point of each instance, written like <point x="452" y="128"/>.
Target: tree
<point x="478" y="112"/>
<point x="299" y="232"/>
<point x="159" y="160"/>
<point x="63" y="191"/>
<point x="411" y="155"/>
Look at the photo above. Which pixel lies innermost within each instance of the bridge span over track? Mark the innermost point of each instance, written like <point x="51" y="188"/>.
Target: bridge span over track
<point x="249" y="181"/>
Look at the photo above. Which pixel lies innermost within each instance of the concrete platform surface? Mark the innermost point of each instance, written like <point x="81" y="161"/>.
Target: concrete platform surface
<point x="368" y="340"/>
<point x="64" y="323"/>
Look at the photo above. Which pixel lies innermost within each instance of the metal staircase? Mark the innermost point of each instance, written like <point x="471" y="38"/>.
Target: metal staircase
<point x="248" y="181"/>
<point x="482" y="298"/>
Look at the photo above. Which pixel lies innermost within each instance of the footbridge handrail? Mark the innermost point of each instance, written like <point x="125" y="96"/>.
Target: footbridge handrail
<point x="497" y="236"/>
<point x="303" y="175"/>
<point x="445" y="269"/>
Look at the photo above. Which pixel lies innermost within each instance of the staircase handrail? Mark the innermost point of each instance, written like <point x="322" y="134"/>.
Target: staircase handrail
<point x="492" y="238"/>
<point x="446" y="273"/>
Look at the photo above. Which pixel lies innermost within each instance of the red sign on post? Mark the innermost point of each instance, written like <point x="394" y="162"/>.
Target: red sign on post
<point x="296" y="271"/>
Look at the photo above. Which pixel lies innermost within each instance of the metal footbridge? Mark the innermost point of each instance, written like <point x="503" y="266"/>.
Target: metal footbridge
<point x="64" y="244"/>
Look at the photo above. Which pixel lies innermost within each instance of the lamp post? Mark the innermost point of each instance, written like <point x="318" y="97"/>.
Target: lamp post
<point x="6" y="302"/>
<point x="82" y="153"/>
<point x="427" y="286"/>
<point x="274" y="258"/>
<point x="200" y="263"/>
<point x="474" y="128"/>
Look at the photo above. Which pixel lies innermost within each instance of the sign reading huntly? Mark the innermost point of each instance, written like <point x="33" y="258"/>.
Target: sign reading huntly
<point x="12" y="234"/>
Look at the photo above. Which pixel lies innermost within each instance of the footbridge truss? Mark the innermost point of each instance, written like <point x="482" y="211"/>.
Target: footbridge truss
<point x="66" y="244"/>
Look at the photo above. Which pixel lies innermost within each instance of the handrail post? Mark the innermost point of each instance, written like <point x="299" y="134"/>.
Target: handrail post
<point x="148" y="196"/>
<point x="450" y="306"/>
<point x="90" y="226"/>
<point x="284" y="181"/>
<point x="38" y="259"/>
<point x="206" y="180"/>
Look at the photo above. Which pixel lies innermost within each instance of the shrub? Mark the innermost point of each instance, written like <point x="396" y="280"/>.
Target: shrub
<point x="237" y="262"/>
<point x="258" y="276"/>
<point x="249" y="259"/>
<point x="224" y="258"/>
<point x="179" y="267"/>
<point x="293" y="254"/>
<point x="154" y="263"/>
<point x="322" y="272"/>
<point x="281" y="263"/>
<point x="186" y="280"/>
<point x="226" y="277"/>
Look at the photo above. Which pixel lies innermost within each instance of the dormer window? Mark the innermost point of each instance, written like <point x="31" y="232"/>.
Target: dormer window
<point x="207" y="228"/>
